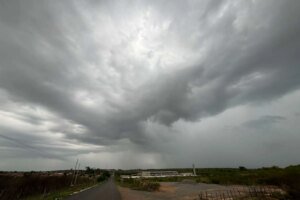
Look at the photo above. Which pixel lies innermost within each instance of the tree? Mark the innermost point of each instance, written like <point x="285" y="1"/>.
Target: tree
<point x="89" y="170"/>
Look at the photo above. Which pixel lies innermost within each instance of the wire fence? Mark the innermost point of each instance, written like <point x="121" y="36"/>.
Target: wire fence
<point x="243" y="193"/>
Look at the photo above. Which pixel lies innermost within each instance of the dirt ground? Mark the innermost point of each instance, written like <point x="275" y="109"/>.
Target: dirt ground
<point x="191" y="191"/>
<point x="170" y="190"/>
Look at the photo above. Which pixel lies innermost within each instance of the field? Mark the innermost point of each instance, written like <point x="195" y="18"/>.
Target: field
<point x="288" y="179"/>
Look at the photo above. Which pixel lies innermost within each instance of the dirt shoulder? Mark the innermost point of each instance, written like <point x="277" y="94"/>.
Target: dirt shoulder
<point x="169" y="190"/>
<point x="128" y="194"/>
<point x="186" y="191"/>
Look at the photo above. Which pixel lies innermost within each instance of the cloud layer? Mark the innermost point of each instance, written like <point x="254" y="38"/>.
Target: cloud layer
<point x="96" y="77"/>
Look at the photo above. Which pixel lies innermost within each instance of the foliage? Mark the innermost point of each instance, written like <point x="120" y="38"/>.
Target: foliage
<point x="104" y="176"/>
<point x="19" y="187"/>
<point x="62" y="193"/>
<point x="93" y="171"/>
<point x="140" y="184"/>
<point x="289" y="178"/>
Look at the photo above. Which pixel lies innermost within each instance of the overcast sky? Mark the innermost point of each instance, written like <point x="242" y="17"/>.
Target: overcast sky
<point x="149" y="84"/>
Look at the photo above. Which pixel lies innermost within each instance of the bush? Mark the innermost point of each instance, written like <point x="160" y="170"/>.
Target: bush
<point x="149" y="186"/>
<point x="138" y="184"/>
<point x="289" y="179"/>
<point x="103" y="177"/>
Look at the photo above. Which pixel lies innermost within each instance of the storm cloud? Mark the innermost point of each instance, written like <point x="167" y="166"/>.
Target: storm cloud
<point x="88" y="77"/>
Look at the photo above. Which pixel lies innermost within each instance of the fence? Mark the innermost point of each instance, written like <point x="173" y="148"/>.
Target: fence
<point x="240" y="193"/>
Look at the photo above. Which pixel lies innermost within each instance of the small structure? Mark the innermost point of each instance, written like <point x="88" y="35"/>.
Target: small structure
<point x="187" y="174"/>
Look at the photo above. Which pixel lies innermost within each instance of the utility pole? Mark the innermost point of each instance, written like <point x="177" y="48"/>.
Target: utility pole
<point x="194" y="171"/>
<point x="76" y="175"/>
<point x="74" y="172"/>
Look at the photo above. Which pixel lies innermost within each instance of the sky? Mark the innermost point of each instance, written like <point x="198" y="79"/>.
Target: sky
<point x="149" y="84"/>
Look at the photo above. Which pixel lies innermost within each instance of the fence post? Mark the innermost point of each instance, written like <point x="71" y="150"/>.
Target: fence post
<point x="223" y="194"/>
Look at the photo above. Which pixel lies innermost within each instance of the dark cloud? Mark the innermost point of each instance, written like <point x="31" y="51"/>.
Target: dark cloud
<point x="106" y="70"/>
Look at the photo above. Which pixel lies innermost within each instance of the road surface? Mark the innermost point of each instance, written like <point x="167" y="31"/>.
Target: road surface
<point x="106" y="191"/>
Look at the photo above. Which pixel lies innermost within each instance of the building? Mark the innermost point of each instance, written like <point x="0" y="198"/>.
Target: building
<point x="158" y="174"/>
<point x="187" y="174"/>
<point x="149" y="174"/>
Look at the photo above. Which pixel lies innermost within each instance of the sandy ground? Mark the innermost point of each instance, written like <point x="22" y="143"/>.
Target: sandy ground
<point x="170" y="190"/>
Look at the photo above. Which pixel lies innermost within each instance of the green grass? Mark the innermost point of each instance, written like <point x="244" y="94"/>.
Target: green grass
<point x="67" y="191"/>
<point x="139" y="184"/>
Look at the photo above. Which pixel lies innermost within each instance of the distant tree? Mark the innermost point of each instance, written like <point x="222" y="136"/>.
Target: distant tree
<point x="104" y="176"/>
<point x="275" y="167"/>
<point x="89" y="170"/>
<point x="242" y="168"/>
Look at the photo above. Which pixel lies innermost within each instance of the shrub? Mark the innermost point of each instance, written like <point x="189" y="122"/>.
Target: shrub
<point x="138" y="184"/>
<point x="148" y="186"/>
<point x="104" y="176"/>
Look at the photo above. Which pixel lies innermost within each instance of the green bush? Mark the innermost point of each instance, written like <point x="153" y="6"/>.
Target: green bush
<point x="289" y="179"/>
<point x="104" y="176"/>
<point x="138" y="184"/>
<point x="148" y="186"/>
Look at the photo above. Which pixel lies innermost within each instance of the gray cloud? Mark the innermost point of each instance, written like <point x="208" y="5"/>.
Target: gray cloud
<point x="30" y="150"/>
<point x="264" y="121"/>
<point x="107" y="71"/>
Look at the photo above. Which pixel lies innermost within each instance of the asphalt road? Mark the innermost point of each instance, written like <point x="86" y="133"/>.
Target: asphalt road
<point x="106" y="191"/>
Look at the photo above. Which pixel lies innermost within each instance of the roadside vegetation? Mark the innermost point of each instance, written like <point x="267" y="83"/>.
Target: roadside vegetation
<point x="286" y="178"/>
<point x="138" y="184"/>
<point x="47" y="185"/>
<point x="62" y="193"/>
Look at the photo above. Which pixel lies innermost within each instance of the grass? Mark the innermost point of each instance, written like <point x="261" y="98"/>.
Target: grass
<point x="47" y="185"/>
<point x="67" y="191"/>
<point x="139" y="184"/>
<point x="36" y="186"/>
<point x="62" y="193"/>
